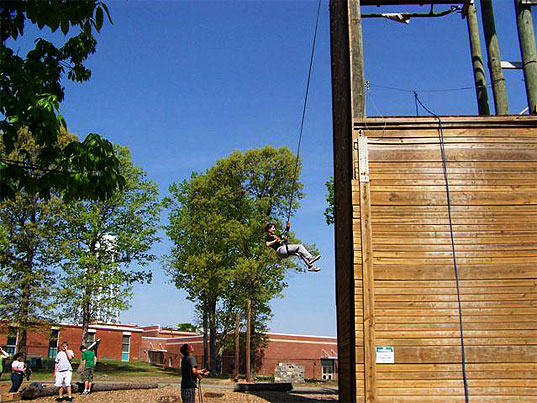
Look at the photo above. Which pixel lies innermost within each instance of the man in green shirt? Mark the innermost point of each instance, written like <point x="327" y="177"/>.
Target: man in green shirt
<point x="88" y="362"/>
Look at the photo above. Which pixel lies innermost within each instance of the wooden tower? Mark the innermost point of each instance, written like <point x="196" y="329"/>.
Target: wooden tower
<point x="399" y="337"/>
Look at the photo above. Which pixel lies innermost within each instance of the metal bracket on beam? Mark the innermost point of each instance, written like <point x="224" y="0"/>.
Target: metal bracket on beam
<point x="405" y="17"/>
<point x="507" y="65"/>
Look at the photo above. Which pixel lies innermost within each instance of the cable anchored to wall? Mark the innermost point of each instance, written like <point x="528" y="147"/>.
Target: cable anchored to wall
<point x="455" y="269"/>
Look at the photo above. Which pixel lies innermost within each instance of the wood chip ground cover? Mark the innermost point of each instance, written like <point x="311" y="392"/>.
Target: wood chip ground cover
<point x="172" y="394"/>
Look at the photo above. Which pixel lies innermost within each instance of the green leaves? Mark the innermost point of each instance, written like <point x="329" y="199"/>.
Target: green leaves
<point x="109" y="241"/>
<point x="216" y="222"/>
<point x="31" y="97"/>
<point x="329" y="211"/>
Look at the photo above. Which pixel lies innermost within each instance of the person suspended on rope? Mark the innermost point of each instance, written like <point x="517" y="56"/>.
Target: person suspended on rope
<point x="284" y="250"/>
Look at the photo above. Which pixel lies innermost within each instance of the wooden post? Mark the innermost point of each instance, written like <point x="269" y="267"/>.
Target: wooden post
<point x="237" y="347"/>
<point x="368" y="278"/>
<point x="493" y="50"/>
<point x="526" y="37"/>
<point x="343" y="175"/>
<point x="357" y="60"/>
<point x="248" y="341"/>
<point x="477" y="62"/>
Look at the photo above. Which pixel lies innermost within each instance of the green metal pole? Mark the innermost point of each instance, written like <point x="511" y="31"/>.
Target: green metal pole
<point x="477" y="62"/>
<point x="526" y="37"/>
<point x="493" y="50"/>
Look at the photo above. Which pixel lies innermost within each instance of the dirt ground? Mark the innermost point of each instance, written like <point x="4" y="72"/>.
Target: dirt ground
<point x="172" y="394"/>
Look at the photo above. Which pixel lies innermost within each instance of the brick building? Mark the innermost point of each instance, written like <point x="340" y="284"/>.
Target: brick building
<point x="317" y="354"/>
<point x="117" y="342"/>
<point x="160" y="346"/>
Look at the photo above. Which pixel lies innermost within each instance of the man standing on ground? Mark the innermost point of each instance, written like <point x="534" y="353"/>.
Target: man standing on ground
<point x="63" y="372"/>
<point x="190" y="374"/>
<point x="88" y="362"/>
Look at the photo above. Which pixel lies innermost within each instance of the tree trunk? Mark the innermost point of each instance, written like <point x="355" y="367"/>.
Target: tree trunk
<point x="205" y="337"/>
<point x="237" y="347"/>
<point x="32" y="392"/>
<point x="248" y="340"/>
<point x="212" y="335"/>
<point x="24" y="312"/>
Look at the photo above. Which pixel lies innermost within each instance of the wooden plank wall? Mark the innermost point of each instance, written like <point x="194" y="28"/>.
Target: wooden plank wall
<point x="492" y="172"/>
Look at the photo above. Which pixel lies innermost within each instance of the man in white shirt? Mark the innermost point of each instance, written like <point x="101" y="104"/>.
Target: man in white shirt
<point x="63" y="372"/>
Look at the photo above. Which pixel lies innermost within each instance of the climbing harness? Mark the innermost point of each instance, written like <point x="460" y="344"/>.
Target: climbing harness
<point x="444" y="170"/>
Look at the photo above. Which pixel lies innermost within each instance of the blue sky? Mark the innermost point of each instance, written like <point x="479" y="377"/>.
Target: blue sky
<point x="185" y="83"/>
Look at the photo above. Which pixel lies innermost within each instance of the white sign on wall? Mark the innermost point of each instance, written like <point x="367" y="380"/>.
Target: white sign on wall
<point x="385" y="355"/>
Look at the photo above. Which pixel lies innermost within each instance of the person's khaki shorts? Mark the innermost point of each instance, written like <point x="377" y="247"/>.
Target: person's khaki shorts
<point x="87" y="375"/>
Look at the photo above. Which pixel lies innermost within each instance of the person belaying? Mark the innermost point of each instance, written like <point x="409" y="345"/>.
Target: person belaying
<point x="284" y="250"/>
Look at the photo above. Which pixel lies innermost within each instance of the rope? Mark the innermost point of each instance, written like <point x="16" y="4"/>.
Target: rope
<point x="444" y="169"/>
<point x="303" y="117"/>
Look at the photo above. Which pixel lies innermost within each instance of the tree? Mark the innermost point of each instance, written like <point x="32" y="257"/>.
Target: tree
<point x="104" y="238"/>
<point x="189" y="327"/>
<point x="31" y="97"/>
<point x="30" y="228"/>
<point x="216" y="224"/>
<point x="329" y="212"/>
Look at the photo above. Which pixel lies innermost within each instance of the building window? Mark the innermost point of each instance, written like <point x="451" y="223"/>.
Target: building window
<point x="328" y="369"/>
<point x="89" y="339"/>
<point x="53" y="343"/>
<point x="11" y="343"/>
<point x="125" y="347"/>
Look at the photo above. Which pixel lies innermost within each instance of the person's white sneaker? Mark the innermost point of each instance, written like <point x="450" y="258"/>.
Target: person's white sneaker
<point x="314" y="259"/>
<point x="314" y="268"/>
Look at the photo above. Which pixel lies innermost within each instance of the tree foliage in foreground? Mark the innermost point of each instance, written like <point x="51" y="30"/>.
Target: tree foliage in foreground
<point x="30" y="231"/>
<point x="104" y="240"/>
<point x="31" y="96"/>
<point x="216" y="225"/>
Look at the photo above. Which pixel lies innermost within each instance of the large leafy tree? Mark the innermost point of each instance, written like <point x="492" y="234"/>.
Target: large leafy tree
<point x="107" y="244"/>
<point x="30" y="230"/>
<point x="31" y="96"/>
<point x="216" y="224"/>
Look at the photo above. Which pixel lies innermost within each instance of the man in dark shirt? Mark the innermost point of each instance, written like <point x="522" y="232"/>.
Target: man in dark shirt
<point x="282" y="250"/>
<point x="190" y="374"/>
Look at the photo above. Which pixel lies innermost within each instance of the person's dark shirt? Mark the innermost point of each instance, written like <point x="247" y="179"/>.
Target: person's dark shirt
<point x="188" y="380"/>
<point x="276" y="244"/>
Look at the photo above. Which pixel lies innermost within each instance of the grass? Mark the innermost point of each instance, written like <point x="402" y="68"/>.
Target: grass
<point x="107" y="369"/>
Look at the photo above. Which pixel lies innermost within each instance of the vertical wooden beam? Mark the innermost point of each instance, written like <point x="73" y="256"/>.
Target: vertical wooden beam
<point x="343" y="175"/>
<point x="368" y="277"/>
<point x="493" y="50"/>
<point x="356" y="60"/>
<point x="526" y="37"/>
<point x="477" y="61"/>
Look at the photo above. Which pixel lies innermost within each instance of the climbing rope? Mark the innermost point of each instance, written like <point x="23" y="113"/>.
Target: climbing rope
<point x="444" y="170"/>
<point x="288" y="225"/>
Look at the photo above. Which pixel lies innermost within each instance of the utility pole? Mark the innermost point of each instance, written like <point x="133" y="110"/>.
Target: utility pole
<point x="493" y="50"/>
<point x="526" y="37"/>
<point x="477" y="62"/>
